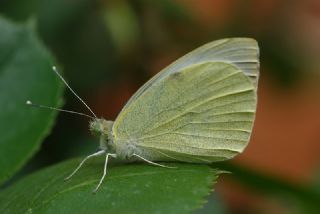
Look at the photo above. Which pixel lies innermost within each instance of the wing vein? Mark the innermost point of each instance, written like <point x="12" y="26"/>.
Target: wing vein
<point x="185" y="134"/>
<point x="188" y="110"/>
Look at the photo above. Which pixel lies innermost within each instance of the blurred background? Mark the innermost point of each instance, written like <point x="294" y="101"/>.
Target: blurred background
<point x="108" y="49"/>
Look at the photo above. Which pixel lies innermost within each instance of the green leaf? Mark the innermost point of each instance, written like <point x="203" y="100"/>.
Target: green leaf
<point x="130" y="188"/>
<point x="25" y="73"/>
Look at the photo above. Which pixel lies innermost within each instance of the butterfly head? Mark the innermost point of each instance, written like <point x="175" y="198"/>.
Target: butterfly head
<point x="103" y="129"/>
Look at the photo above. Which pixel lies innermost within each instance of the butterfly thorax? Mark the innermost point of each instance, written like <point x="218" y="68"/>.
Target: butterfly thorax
<point x="103" y="129"/>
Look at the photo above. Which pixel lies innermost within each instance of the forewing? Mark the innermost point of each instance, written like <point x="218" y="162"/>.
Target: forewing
<point x="241" y="52"/>
<point x="202" y="113"/>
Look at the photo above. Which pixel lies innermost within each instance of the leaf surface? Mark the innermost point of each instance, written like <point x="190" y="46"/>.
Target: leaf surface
<point x="130" y="188"/>
<point x="25" y="73"/>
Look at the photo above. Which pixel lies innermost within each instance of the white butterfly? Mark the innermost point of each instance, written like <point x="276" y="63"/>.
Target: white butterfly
<point x="199" y="109"/>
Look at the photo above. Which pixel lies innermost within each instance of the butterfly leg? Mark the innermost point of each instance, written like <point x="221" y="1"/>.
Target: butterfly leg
<point x="153" y="163"/>
<point x="104" y="171"/>
<point x="84" y="160"/>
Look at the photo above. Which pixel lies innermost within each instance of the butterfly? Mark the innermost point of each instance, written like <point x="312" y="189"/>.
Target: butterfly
<point x="199" y="109"/>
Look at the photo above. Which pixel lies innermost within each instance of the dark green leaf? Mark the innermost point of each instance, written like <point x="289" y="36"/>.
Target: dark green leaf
<point x="130" y="188"/>
<point x="25" y="73"/>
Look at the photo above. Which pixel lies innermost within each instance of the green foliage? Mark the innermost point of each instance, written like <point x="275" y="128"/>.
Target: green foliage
<point x="130" y="188"/>
<point x="25" y="73"/>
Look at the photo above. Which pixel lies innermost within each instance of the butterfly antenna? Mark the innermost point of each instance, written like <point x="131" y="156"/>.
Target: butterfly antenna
<point x="54" y="68"/>
<point x="56" y="109"/>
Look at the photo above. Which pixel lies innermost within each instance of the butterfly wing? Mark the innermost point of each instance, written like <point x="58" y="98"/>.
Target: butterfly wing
<point x="202" y="113"/>
<point x="241" y="52"/>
